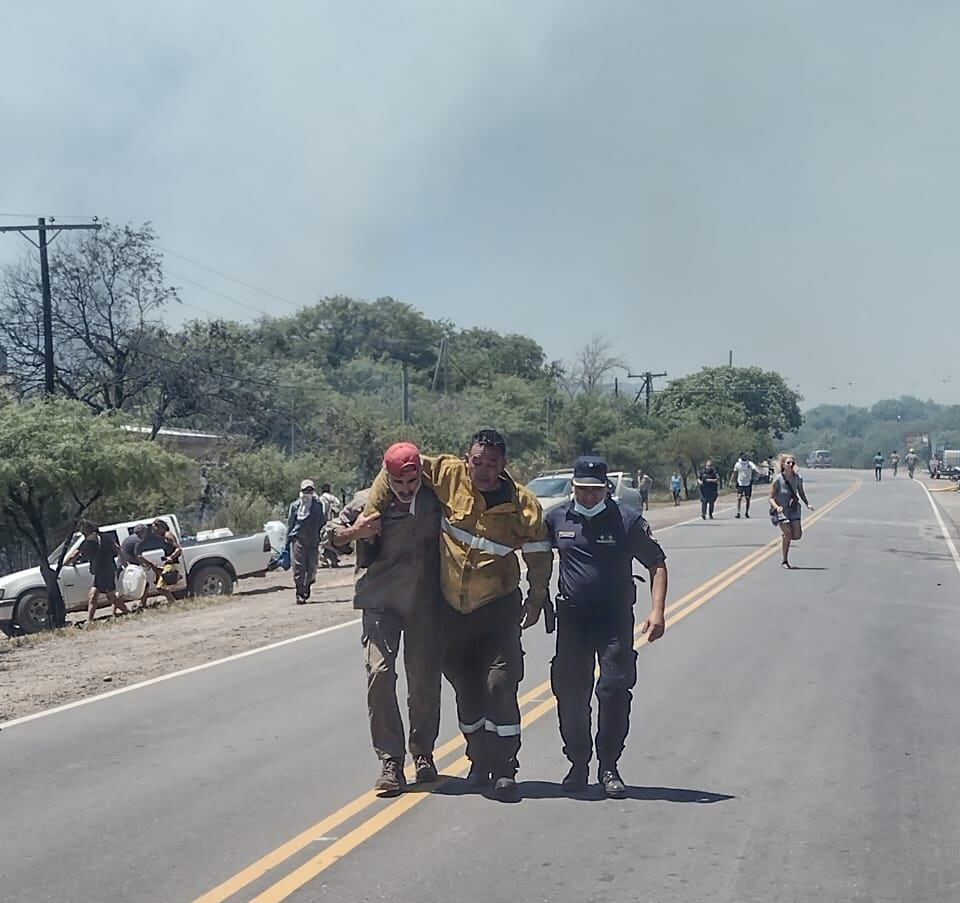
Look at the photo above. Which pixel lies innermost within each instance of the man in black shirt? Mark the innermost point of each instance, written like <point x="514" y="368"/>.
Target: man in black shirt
<point x="101" y="552"/>
<point x="597" y="540"/>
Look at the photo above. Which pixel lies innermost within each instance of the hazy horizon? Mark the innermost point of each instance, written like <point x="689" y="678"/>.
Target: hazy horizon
<point x="685" y="179"/>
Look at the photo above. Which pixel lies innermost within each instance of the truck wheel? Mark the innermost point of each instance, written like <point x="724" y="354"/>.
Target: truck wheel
<point x="33" y="611"/>
<point x="211" y="580"/>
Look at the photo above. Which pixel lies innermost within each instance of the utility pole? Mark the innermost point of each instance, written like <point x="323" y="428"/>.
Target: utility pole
<point x="404" y="393"/>
<point x="41" y="245"/>
<point x="647" y="387"/>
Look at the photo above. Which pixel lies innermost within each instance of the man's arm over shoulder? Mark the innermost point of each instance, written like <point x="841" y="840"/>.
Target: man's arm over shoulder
<point x="537" y="549"/>
<point x="439" y="472"/>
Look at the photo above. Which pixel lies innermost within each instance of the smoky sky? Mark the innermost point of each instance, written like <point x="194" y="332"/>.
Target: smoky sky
<point x="776" y="179"/>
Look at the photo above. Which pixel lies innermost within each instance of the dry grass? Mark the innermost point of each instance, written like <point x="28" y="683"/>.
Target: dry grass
<point x="108" y="622"/>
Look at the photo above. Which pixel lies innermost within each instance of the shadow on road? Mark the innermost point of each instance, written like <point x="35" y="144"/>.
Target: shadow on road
<point x="921" y="555"/>
<point x="548" y="790"/>
<point x="800" y="567"/>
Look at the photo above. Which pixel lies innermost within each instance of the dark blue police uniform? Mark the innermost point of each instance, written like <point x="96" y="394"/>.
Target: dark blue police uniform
<point x="595" y="622"/>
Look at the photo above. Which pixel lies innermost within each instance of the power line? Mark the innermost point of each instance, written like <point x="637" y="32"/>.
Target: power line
<point x="213" y="291"/>
<point x="248" y="285"/>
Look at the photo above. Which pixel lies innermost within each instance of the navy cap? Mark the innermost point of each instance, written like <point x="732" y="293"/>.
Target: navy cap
<point x="590" y="470"/>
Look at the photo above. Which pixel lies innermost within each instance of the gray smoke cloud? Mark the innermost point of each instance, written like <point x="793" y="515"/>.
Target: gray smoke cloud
<point x="776" y="179"/>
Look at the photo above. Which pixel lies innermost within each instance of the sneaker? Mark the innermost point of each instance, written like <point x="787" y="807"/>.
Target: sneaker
<point x="391" y="780"/>
<point x="576" y="779"/>
<point x="747" y="515"/>
<point x="477" y="776"/>
<point x="301" y="600"/>
<point x="613" y="785"/>
<point x="737" y="515"/>
<point x="506" y="790"/>
<point x="426" y="770"/>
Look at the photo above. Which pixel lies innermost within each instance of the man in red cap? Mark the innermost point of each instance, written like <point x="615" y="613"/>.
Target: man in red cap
<point x="398" y="591"/>
<point x="486" y="519"/>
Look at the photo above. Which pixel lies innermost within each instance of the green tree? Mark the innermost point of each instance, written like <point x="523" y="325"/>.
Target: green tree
<point x="759" y="400"/>
<point x="108" y="289"/>
<point x="56" y="461"/>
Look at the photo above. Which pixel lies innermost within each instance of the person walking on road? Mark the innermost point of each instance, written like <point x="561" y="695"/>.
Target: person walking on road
<point x="895" y="461"/>
<point x="676" y="487"/>
<point x="597" y="542"/>
<point x="644" y="485"/>
<point x="709" y="483"/>
<point x="878" y="466"/>
<point x="911" y="461"/>
<point x="397" y="588"/>
<point x="101" y="552"/>
<point x="304" y="520"/>
<point x="786" y="493"/>
<point x="485" y="518"/>
<point x="743" y="471"/>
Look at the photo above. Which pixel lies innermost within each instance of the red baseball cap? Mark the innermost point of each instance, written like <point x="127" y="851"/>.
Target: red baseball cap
<point x="401" y="458"/>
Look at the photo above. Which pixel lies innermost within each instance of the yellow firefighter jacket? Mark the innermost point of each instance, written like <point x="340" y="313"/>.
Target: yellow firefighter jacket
<point x="478" y="545"/>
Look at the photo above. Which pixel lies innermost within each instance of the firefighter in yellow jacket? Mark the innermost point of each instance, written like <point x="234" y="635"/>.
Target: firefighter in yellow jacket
<point x="485" y="519"/>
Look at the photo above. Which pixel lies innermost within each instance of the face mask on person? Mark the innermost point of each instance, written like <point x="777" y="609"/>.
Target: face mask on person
<point x="306" y="498"/>
<point x="590" y="512"/>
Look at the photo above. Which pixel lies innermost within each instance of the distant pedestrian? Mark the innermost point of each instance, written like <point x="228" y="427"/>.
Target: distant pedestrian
<point x="304" y="520"/>
<point x="709" y="483"/>
<point x="911" y="461"/>
<point x="644" y="486"/>
<point x="101" y="552"/>
<point x="786" y="493"/>
<point x="895" y="461"/>
<point x="329" y="555"/>
<point x="676" y="486"/>
<point x="878" y="466"/>
<point x="743" y="471"/>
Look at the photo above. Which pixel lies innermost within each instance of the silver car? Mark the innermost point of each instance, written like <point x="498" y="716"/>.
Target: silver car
<point x="555" y="487"/>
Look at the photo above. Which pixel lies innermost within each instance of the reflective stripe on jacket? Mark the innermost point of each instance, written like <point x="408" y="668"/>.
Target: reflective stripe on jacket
<point x="478" y="544"/>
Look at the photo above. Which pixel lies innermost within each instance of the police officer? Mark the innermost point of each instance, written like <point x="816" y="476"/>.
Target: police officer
<point x="597" y="540"/>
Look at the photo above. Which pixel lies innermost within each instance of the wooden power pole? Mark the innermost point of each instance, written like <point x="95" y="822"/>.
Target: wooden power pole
<point x="41" y="245"/>
<point x="647" y="386"/>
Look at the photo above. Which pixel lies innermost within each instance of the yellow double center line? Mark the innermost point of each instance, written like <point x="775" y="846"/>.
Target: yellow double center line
<point x="458" y="766"/>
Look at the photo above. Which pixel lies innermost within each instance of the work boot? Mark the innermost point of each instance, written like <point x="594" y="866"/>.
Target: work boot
<point x="613" y="785"/>
<point x="426" y="770"/>
<point x="391" y="780"/>
<point x="506" y="790"/>
<point x="576" y="779"/>
<point x="478" y="776"/>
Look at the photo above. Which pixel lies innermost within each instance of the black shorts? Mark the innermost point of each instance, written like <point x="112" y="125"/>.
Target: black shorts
<point x="105" y="583"/>
<point x="744" y="492"/>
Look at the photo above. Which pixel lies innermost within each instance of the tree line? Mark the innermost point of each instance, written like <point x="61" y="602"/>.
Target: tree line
<point x="323" y="391"/>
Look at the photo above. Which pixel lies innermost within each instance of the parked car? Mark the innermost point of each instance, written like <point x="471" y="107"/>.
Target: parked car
<point x="554" y="487"/>
<point x="821" y="458"/>
<point x="211" y="568"/>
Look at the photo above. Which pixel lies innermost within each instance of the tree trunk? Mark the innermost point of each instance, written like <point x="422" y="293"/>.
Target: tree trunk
<point x="57" y="609"/>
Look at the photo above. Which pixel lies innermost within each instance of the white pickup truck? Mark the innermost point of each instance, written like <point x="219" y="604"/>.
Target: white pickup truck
<point x="211" y="568"/>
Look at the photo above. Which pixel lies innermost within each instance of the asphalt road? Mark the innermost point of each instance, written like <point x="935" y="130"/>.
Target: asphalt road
<point x="795" y="737"/>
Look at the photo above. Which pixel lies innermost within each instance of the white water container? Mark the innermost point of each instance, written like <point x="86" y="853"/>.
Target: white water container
<point x="219" y="533"/>
<point x="133" y="581"/>
<point x="277" y="531"/>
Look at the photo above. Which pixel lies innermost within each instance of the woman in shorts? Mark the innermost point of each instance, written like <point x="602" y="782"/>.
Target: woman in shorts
<point x="786" y="494"/>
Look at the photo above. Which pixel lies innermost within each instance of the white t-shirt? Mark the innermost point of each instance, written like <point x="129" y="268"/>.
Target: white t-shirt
<point x="744" y="471"/>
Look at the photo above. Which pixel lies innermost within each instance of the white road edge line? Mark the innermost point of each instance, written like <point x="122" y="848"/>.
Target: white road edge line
<point x="156" y="680"/>
<point x="943" y="527"/>
<point x="230" y="658"/>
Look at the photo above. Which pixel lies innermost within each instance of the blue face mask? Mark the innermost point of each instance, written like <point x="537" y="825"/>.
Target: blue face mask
<point x="589" y="512"/>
